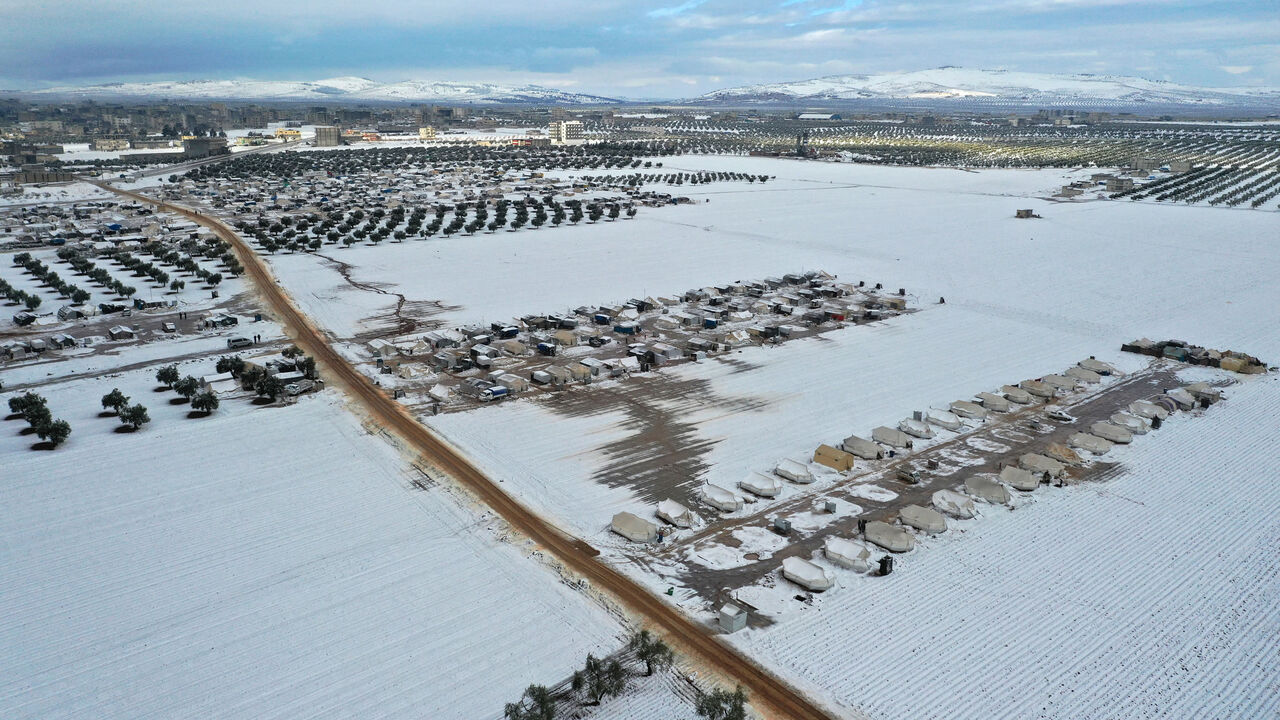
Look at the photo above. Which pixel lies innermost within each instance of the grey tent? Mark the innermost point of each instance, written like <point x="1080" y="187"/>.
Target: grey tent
<point x="806" y="574"/>
<point x="1062" y="382"/>
<point x="1090" y="443"/>
<point x="970" y="410"/>
<point x="1086" y="376"/>
<point x="761" y="484"/>
<point x="634" y="528"/>
<point x="676" y="514"/>
<point x="847" y="553"/>
<point x="916" y="428"/>
<point x="1037" y="388"/>
<point x="994" y="403"/>
<point x="794" y="471"/>
<point x="891" y="437"/>
<point x="720" y="499"/>
<point x="1148" y="410"/>
<point x="954" y="503"/>
<point x="987" y="489"/>
<point x="944" y="419"/>
<point x="923" y="519"/>
<point x="1041" y="464"/>
<point x="1098" y="366"/>
<point x="1019" y="479"/>
<point x="1016" y="395"/>
<point x="890" y="538"/>
<point x="862" y="448"/>
<point x="1132" y="423"/>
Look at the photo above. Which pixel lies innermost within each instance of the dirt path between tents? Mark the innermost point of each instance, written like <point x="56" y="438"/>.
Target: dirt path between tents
<point x="768" y="693"/>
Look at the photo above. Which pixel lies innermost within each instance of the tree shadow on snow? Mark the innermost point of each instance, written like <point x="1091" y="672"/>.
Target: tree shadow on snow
<point x="194" y="414"/>
<point x="107" y="414"/>
<point x="43" y="445"/>
<point x="178" y="401"/>
<point x="125" y="429"/>
<point x="27" y="431"/>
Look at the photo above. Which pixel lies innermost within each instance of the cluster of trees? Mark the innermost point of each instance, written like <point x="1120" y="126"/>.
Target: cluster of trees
<point x="264" y="384"/>
<point x="21" y="297"/>
<point x="188" y="387"/>
<point x="49" y="277"/>
<point x="698" y="178"/>
<point x="35" y="410"/>
<point x="604" y="678"/>
<point x="98" y="275"/>
<point x="134" y="416"/>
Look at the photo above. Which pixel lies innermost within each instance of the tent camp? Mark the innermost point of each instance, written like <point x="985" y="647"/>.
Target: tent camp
<point x="891" y="437"/>
<point x="1085" y="376"/>
<point x="1040" y="464"/>
<point x="985" y="488"/>
<point x="833" y="458"/>
<point x="916" y="428"/>
<point x="794" y="471"/>
<point x="1090" y="443"/>
<point x="1016" y="395"/>
<point x="1147" y="410"/>
<point x="863" y="448"/>
<point x="1132" y="423"/>
<point x="944" y="419"/>
<point x="954" y="504"/>
<point x="923" y="519"/>
<point x="676" y="514"/>
<point x="806" y="574"/>
<point x="1114" y="433"/>
<point x="847" y="553"/>
<point x="970" y="410"/>
<point x="761" y="484"/>
<point x="1019" y="479"/>
<point x="893" y="539"/>
<point x="633" y="527"/>
<point x="721" y="499"/>
<point x="993" y="402"/>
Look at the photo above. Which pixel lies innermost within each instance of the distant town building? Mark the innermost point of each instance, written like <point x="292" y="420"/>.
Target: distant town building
<point x="1180" y="166"/>
<point x="1146" y="163"/>
<point x="109" y="144"/>
<point x="328" y="136"/>
<point x="40" y="174"/>
<point x="287" y="134"/>
<point x="426" y="133"/>
<point x="1117" y="184"/>
<point x="200" y="147"/>
<point x="818" y="116"/>
<point x="566" y="132"/>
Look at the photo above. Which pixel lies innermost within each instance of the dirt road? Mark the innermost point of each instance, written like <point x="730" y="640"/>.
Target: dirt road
<point x="768" y="694"/>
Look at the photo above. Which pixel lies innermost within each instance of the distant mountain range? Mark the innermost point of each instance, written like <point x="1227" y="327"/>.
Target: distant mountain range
<point x="342" y="89"/>
<point x="993" y="86"/>
<point x="937" y="87"/>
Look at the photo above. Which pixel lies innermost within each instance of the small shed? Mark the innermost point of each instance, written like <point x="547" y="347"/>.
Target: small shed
<point x="806" y="574"/>
<point x="987" y="489"/>
<point x="847" y="553"/>
<point x="893" y="539"/>
<point x="732" y="618"/>
<point x="794" y="471"/>
<point x="634" y="527"/>
<point x="760" y="484"/>
<point x="833" y="458"/>
<point x="861" y="447"/>
<point x="923" y="519"/>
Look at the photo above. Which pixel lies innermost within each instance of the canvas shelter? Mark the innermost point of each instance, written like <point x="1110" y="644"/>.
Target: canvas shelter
<point x="1109" y="431"/>
<point x="1038" y="388"/>
<point x="861" y="447"/>
<point x="1085" y="376"/>
<point x="923" y="519"/>
<point x="1019" y="479"/>
<point x="1016" y="394"/>
<point x="916" y="428"/>
<point x="1040" y="464"/>
<point x="944" y="419"/>
<point x="987" y="489"/>
<point x="954" y="504"/>
<point x="1098" y="366"/>
<point x="1148" y="410"/>
<point x="676" y="514"/>
<point x="833" y="458"/>
<point x="891" y="437"/>
<point x="794" y="471"/>
<point x="721" y="499"/>
<point x="1061" y="382"/>
<point x="761" y="484"/>
<point x="970" y="410"/>
<point x="634" y="527"/>
<point x="806" y="574"/>
<point x="1090" y="443"/>
<point x="893" y="539"/>
<point x="847" y="553"/>
<point x="1132" y="423"/>
<point x="994" y="403"/>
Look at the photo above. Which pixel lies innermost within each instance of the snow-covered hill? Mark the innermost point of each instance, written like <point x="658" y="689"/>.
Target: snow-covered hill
<point x="953" y="83"/>
<point x="330" y="90"/>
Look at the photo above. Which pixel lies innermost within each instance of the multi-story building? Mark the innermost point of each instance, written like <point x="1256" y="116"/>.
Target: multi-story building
<point x="328" y="136"/>
<point x="565" y="132"/>
<point x="426" y="133"/>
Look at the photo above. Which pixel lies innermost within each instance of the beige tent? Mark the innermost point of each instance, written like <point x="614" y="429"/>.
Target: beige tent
<point x="891" y="437"/>
<point x="1086" y="376"/>
<point x="1114" y="433"/>
<point x="847" y="553"/>
<point x="923" y="519"/>
<point x="1062" y="382"/>
<point x="987" y="489"/>
<point x="954" y="504"/>
<point x="970" y="410"/>
<point x="1037" y="388"/>
<point x="833" y="458"/>
<point x="634" y="528"/>
<point x="514" y="348"/>
<point x="994" y="402"/>
<point x="1062" y="454"/>
<point x="1016" y="395"/>
<point x="893" y="539"/>
<point x="1019" y="479"/>
<point x="1090" y="443"/>
<point x="861" y="447"/>
<point x="1041" y="464"/>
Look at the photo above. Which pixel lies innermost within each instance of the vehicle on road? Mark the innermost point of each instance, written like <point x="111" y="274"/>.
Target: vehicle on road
<point x="1061" y="416"/>
<point x="239" y="342"/>
<point x="168" y="327"/>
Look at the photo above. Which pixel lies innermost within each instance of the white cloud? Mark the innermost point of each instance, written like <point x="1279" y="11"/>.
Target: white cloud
<point x="1237" y="69"/>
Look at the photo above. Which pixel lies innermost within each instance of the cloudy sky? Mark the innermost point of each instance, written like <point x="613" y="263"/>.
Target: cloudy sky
<point x="633" y="49"/>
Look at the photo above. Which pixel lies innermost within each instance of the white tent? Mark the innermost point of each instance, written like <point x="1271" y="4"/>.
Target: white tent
<point x="794" y="471"/>
<point x="893" y="539"/>
<point x="1114" y="433"/>
<point x="1019" y="479"/>
<point x="944" y="419"/>
<point x="1086" y="376"/>
<point x="847" y="553"/>
<point x="1132" y="423"/>
<point x="634" y="528"/>
<point x="1090" y="443"/>
<point x="676" y="514"/>
<point x="987" y="489"/>
<point x="916" y="428"/>
<point x="970" y="410"/>
<point x="861" y="447"/>
<point x="993" y="402"/>
<point x="891" y="437"/>
<point x="1016" y="395"/>
<point x="1148" y="410"/>
<point x="954" y="503"/>
<point x="806" y="574"/>
<point x="1040" y="464"/>
<point x="1185" y="399"/>
<point x="721" y="499"/>
<point x="761" y="484"/>
<point x="923" y="519"/>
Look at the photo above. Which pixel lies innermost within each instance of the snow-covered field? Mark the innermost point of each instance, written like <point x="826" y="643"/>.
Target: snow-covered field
<point x="1152" y="595"/>
<point x="61" y="192"/>
<point x="264" y="562"/>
